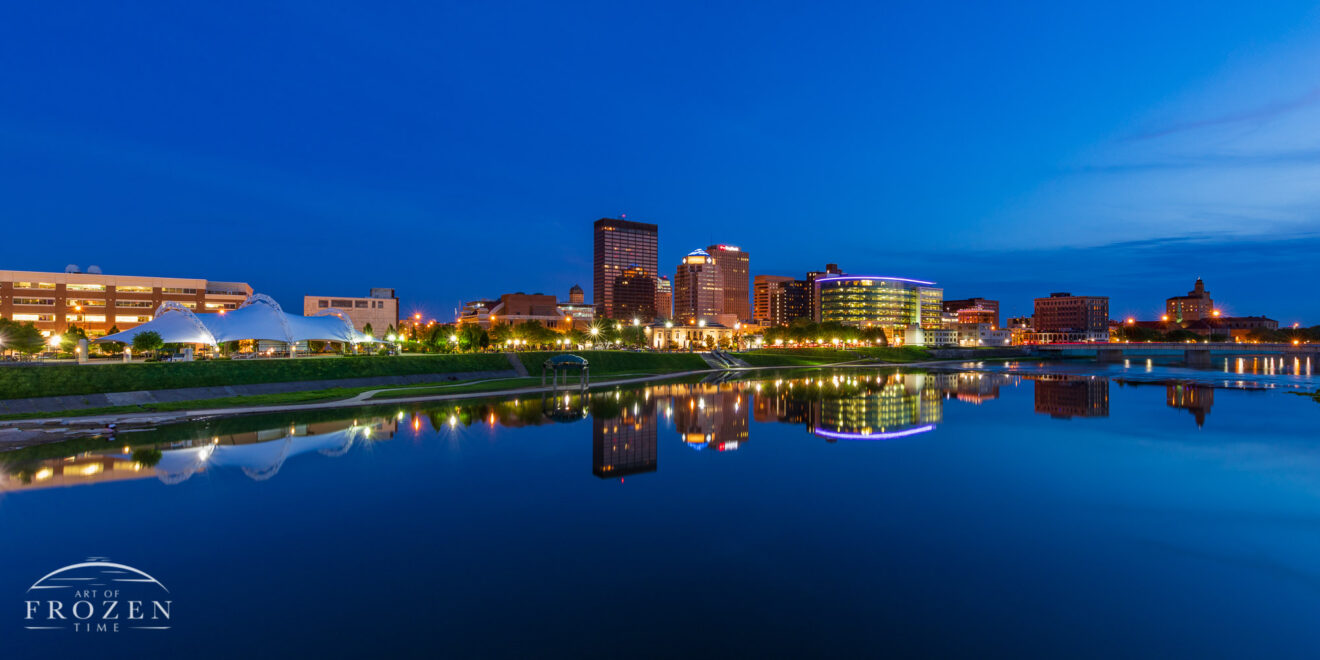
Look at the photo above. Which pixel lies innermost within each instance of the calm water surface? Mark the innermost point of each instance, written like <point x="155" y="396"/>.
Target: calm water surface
<point x="1047" y="510"/>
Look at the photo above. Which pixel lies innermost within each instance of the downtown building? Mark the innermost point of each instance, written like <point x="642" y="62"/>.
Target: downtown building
<point x="544" y="309"/>
<point x="957" y="306"/>
<point x="1065" y="318"/>
<point x="735" y="268"/>
<point x="904" y="308"/>
<point x="380" y="309"/>
<point x="634" y="294"/>
<point x="619" y="245"/>
<point x="699" y="291"/>
<point x="97" y="303"/>
<point x="779" y="300"/>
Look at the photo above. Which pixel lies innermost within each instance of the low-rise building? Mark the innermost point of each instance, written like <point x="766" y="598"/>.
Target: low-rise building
<point x="983" y="334"/>
<point x="954" y="306"/>
<point x="380" y="309"/>
<point x="1065" y="318"/>
<point x="97" y="302"/>
<point x="698" y="335"/>
<point x="516" y="308"/>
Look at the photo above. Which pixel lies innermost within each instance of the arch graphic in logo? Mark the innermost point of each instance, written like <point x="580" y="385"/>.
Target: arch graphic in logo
<point x="97" y="596"/>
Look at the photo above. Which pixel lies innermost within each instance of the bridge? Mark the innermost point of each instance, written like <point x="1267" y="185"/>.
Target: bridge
<point x="1195" y="355"/>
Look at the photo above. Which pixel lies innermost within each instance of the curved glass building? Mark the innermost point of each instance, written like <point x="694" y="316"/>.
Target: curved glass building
<point x="892" y="303"/>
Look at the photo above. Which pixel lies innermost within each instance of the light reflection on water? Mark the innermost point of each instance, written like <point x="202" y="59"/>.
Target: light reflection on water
<point x="832" y="405"/>
<point x="904" y="512"/>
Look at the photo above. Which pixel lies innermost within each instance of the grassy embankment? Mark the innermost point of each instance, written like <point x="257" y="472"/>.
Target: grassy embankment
<point x="72" y="379"/>
<point x="602" y="364"/>
<point x="168" y="375"/>
<point x="814" y="357"/>
<point x="615" y="363"/>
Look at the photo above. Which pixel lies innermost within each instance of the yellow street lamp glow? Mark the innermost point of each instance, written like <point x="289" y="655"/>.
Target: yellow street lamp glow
<point x="595" y="331"/>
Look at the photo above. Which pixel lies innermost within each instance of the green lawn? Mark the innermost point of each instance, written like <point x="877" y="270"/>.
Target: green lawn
<point x="72" y="379"/>
<point x="619" y="362"/>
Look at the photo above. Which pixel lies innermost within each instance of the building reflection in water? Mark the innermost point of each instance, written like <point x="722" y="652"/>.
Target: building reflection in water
<point x="627" y="443"/>
<point x="1063" y="396"/>
<point x="902" y="405"/>
<point x="712" y="416"/>
<point x="258" y="454"/>
<point x="625" y="424"/>
<point x="1197" y="399"/>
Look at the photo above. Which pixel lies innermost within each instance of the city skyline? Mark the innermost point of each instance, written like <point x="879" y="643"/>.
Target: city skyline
<point x="1098" y="170"/>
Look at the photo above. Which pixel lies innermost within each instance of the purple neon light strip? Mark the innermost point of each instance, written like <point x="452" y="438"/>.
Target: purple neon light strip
<point x="870" y="277"/>
<point x="838" y="435"/>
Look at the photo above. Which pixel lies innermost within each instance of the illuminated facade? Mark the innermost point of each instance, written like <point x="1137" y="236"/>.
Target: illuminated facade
<point x="635" y="293"/>
<point x="892" y="303"/>
<point x="736" y="271"/>
<point x="515" y="308"/>
<point x="779" y="300"/>
<point x="664" y="297"/>
<point x="618" y="245"/>
<point x="1194" y="306"/>
<point x="97" y="302"/>
<point x="956" y="306"/>
<point x="699" y="289"/>
<point x="1063" y="317"/>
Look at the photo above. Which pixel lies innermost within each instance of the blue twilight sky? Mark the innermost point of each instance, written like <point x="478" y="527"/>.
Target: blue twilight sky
<point x="455" y="151"/>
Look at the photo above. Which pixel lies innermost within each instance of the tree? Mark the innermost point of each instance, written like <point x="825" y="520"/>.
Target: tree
<point x="633" y="335"/>
<point x="576" y="337"/>
<point x="366" y="330"/>
<point x="21" y="337"/>
<point x="69" y="340"/>
<point x="876" y="335"/>
<point x="147" y="341"/>
<point x="471" y="337"/>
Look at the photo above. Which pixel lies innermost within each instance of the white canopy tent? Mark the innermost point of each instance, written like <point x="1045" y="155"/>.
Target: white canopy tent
<point x="259" y="318"/>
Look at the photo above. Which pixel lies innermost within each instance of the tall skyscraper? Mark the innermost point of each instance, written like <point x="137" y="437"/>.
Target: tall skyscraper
<point x="735" y="268"/>
<point x="634" y="294"/>
<point x="617" y="245"/>
<point x="698" y="289"/>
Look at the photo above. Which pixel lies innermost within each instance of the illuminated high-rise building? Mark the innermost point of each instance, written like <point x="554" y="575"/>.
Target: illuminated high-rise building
<point x="735" y="268"/>
<point x="698" y="289"/>
<point x="618" y="245"/>
<point x="634" y="294"/>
